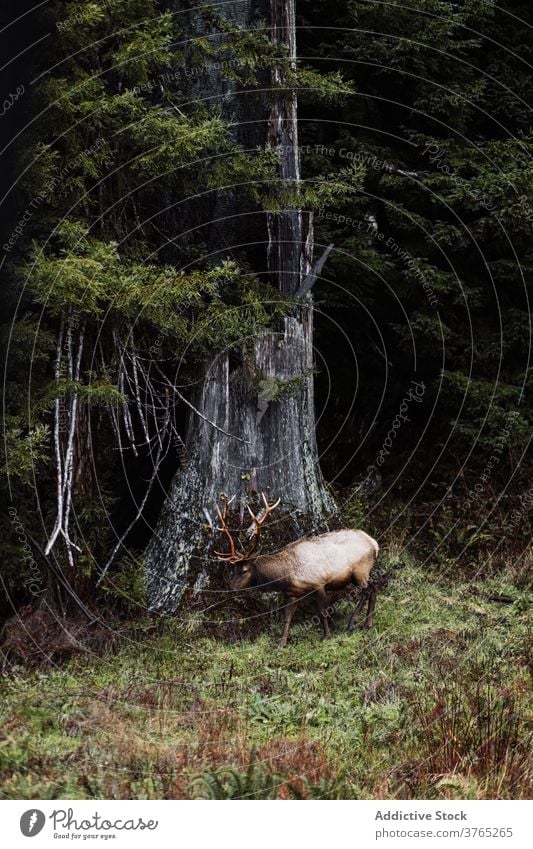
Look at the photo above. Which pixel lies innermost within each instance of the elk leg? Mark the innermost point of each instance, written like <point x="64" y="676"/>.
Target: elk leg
<point x="357" y="611"/>
<point x="290" y="609"/>
<point x="322" y="600"/>
<point x="369" y="619"/>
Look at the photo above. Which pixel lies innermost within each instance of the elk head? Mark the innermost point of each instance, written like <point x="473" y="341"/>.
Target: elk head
<point x="241" y="562"/>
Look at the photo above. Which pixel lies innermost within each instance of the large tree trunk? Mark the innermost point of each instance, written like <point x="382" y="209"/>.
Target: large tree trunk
<point x="261" y="401"/>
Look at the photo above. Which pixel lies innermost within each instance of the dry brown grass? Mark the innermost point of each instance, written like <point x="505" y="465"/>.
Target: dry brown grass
<point x="479" y="735"/>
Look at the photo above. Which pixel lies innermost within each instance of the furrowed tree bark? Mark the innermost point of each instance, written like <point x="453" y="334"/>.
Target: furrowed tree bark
<point x="261" y="397"/>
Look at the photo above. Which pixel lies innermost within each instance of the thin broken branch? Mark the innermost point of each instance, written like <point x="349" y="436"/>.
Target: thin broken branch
<point x="309" y="281"/>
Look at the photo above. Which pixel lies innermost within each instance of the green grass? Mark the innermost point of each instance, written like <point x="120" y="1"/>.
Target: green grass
<point x="431" y="703"/>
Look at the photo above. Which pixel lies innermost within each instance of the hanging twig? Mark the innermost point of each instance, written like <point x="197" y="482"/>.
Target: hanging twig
<point x="135" y="380"/>
<point x="128" y="425"/>
<point x="133" y="360"/>
<point x="157" y="464"/>
<point x="65" y="464"/>
<point x="198" y="413"/>
<point x="75" y="370"/>
<point x="57" y="443"/>
<point x="309" y="281"/>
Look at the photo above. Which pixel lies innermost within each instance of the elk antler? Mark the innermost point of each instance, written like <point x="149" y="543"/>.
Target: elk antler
<point x="257" y="523"/>
<point x="259" y="520"/>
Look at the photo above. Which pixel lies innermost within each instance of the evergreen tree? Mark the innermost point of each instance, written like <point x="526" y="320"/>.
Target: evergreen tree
<point x="108" y="295"/>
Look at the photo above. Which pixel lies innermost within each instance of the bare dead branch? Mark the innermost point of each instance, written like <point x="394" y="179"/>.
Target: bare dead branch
<point x="309" y="281"/>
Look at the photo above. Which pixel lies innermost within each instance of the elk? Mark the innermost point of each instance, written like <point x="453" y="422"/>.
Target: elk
<point x="315" y="565"/>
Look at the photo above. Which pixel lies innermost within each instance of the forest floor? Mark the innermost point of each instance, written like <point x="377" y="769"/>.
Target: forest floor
<point x="430" y="703"/>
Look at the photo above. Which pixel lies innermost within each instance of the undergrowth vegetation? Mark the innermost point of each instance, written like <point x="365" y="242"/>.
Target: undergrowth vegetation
<point x="430" y="703"/>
